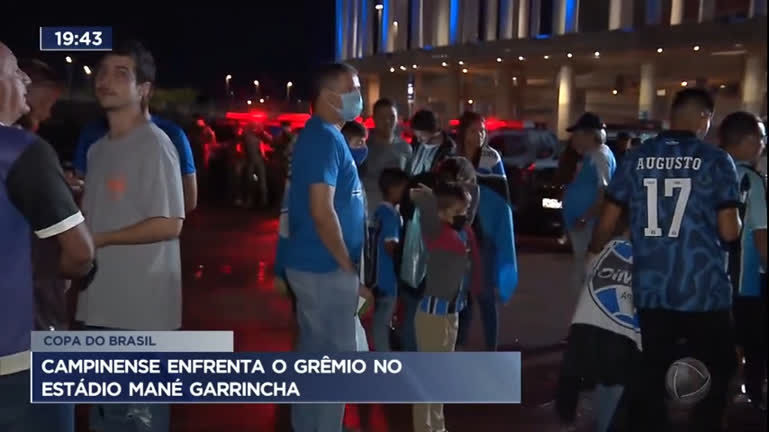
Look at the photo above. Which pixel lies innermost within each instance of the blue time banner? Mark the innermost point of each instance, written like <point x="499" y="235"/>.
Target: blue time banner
<point x="75" y="38"/>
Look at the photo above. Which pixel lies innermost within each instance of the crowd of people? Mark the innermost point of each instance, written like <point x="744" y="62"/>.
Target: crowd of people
<point x="418" y="232"/>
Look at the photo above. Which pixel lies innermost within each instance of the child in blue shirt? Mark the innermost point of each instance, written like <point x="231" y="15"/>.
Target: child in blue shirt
<point x="385" y="239"/>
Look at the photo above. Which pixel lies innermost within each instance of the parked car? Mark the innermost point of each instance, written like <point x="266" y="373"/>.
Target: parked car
<point x="530" y="157"/>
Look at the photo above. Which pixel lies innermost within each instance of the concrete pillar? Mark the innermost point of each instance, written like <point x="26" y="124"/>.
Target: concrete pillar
<point x="371" y="94"/>
<point x="620" y="14"/>
<point x="757" y="8"/>
<point x="523" y="19"/>
<point x="491" y="19"/>
<point x="707" y="10"/>
<point x="441" y="22"/>
<point x="754" y="84"/>
<point x="565" y="16"/>
<point x="647" y="92"/>
<point x="385" y="17"/>
<point x="354" y="29"/>
<point x="469" y="14"/>
<point x="503" y="80"/>
<point x="677" y="12"/>
<point x="415" y="17"/>
<point x="507" y="13"/>
<point x="365" y="44"/>
<point x="453" y="96"/>
<point x="535" y="16"/>
<point x="518" y="81"/>
<point x="565" y="82"/>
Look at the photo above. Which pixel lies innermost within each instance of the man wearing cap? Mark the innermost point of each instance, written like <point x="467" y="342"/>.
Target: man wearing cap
<point x="583" y="196"/>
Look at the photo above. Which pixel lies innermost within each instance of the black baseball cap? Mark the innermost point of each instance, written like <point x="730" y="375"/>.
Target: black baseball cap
<point x="588" y="120"/>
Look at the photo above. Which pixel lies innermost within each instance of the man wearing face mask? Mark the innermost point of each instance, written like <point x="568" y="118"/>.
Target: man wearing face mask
<point x="432" y="144"/>
<point x="325" y="232"/>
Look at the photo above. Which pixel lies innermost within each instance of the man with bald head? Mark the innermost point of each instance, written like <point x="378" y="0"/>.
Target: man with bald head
<point x="34" y="197"/>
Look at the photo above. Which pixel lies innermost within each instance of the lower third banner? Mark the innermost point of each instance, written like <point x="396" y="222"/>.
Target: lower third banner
<point x="190" y="377"/>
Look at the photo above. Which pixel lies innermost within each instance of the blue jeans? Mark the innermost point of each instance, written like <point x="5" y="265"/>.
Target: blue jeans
<point x="129" y="417"/>
<point x="18" y="415"/>
<point x="383" y="314"/>
<point x="408" y="333"/>
<point x="326" y="304"/>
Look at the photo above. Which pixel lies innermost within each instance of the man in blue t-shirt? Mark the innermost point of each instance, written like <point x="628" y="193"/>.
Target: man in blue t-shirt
<point x="682" y="198"/>
<point x="326" y="223"/>
<point x="93" y="131"/>
<point x="742" y="135"/>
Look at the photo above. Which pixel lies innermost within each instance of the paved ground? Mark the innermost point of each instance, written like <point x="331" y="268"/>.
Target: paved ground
<point x="227" y="286"/>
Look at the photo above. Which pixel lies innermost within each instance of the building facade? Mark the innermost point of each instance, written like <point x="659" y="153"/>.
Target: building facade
<point x="549" y="60"/>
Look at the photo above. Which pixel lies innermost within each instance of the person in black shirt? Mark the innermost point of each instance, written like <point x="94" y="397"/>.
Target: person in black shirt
<point x="35" y="198"/>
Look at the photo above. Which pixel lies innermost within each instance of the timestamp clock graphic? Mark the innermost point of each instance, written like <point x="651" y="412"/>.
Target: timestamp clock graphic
<point x="76" y="38"/>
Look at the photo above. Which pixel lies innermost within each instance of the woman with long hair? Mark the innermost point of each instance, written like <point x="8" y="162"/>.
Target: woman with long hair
<point x="493" y="228"/>
<point x="471" y="141"/>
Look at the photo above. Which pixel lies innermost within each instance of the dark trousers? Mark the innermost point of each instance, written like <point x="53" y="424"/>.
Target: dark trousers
<point x="670" y="335"/>
<point x="750" y="319"/>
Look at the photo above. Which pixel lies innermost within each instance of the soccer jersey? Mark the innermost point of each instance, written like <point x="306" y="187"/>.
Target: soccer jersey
<point x="490" y="162"/>
<point x="673" y="186"/>
<point x="745" y="263"/>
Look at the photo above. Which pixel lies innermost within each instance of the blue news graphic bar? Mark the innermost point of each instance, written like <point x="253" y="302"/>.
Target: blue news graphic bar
<point x="132" y="341"/>
<point x="465" y="377"/>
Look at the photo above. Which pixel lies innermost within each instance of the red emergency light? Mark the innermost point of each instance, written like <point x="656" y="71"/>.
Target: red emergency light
<point x="493" y="124"/>
<point x="246" y="117"/>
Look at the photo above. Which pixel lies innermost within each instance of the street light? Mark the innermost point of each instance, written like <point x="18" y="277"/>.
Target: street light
<point x="261" y="101"/>
<point x="248" y="101"/>
<point x="87" y="70"/>
<point x="288" y="90"/>
<point x="68" y="59"/>
<point x="227" y="80"/>
<point x="256" y="87"/>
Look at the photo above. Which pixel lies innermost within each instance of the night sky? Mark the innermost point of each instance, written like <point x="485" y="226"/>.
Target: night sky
<point x="271" y="41"/>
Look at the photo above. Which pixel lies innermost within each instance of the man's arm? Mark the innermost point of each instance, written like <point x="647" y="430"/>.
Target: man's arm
<point x="187" y="167"/>
<point x="756" y="217"/>
<point x="154" y="230"/>
<point x="190" y="187"/>
<point x="605" y="227"/>
<point x="727" y="198"/>
<point x="327" y="224"/>
<point x="36" y="186"/>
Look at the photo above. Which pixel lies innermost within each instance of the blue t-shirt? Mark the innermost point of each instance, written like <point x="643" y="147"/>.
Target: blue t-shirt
<point x="745" y="263"/>
<point x="321" y="155"/>
<point x="93" y="131"/>
<point x="387" y="227"/>
<point x="581" y="194"/>
<point x="674" y="185"/>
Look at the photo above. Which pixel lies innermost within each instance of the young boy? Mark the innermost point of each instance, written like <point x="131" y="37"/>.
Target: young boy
<point x="453" y="260"/>
<point x="743" y="135"/>
<point x="604" y="339"/>
<point x="384" y="237"/>
<point x="355" y="134"/>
